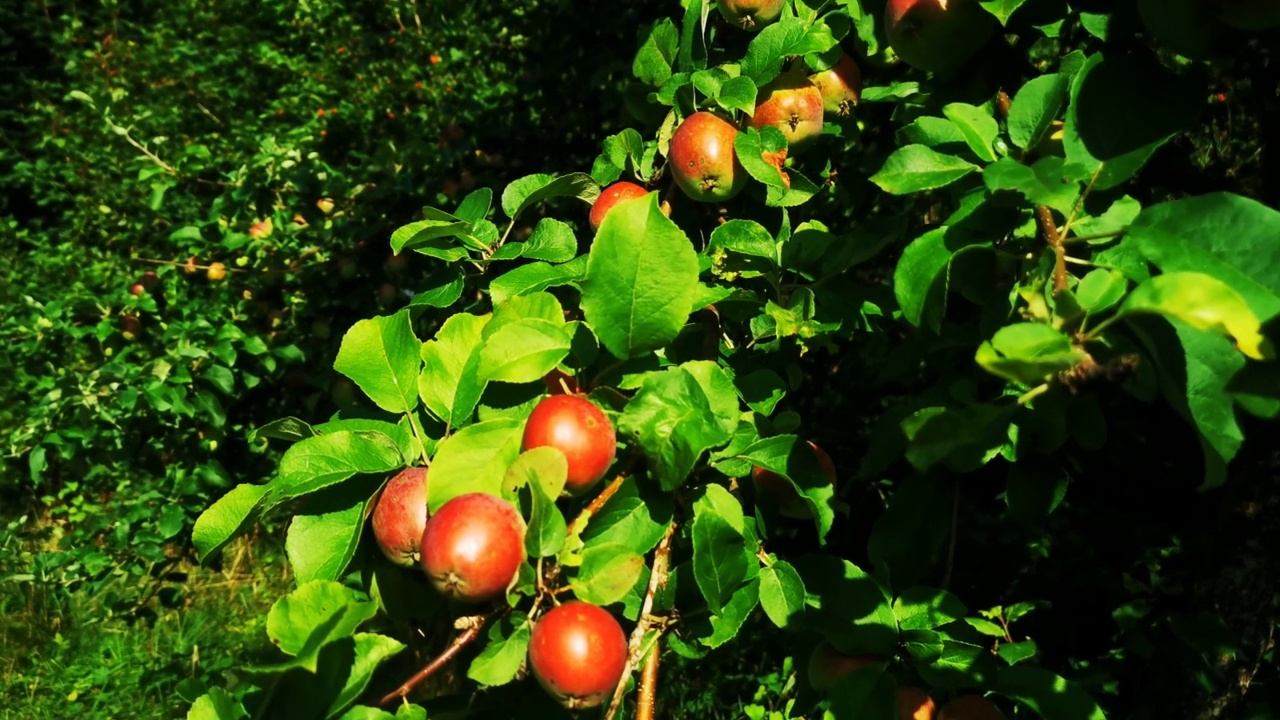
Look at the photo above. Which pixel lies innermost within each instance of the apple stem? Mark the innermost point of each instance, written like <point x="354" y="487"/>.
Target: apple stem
<point x="464" y="638"/>
<point x="657" y="578"/>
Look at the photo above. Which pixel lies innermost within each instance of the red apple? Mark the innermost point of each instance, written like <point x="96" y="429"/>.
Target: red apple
<point x="827" y="665"/>
<point x="702" y="160"/>
<point x="387" y="293"/>
<point x="578" y="654"/>
<point x="137" y="289"/>
<point x="937" y="36"/>
<point x="472" y="547"/>
<point x="793" y="105"/>
<point x="400" y="517"/>
<point x="914" y="704"/>
<point x="573" y="425"/>
<point x="751" y="14"/>
<point x="779" y="490"/>
<point x="840" y="85"/>
<point x="611" y="196"/>
<point x="970" y="707"/>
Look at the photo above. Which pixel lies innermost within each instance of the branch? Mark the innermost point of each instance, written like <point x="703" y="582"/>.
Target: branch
<point x="1050" y="229"/>
<point x="648" y="685"/>
<point x="598" y="502"/>
<point x="464" y="638"/>
<point x="657" y="578"/>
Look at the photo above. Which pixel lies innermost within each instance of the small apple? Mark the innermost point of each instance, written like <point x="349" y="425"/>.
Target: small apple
<point x="970" y="707"/>
<point x="137" y="290"/>
<point x="702" y="159"/>
<point x="780" y="491"/>
<point x="611" y="196"/>
<point x="216" y="272"/>
<point x="325" y="205"/>
<point x="750" y="14"/>
<point x="260" y="230"/>
<point x="793" y="105"/>
<point x="397" y="263"/>
<point x="914" y="704"/>
<point x="578" y="653"/>
<point x="434" y="59"/>
<point x="400" y="517"/>
<point x="343" y="392"/>
<point x="190" y="266"/>
<point x="840" y="85"/>
<point x="937" y="36"/>
<point x="472" y="547"/>
<point x="827" y="665"/>
<point x="573" y="425"/>
<point x="149" y="280"/>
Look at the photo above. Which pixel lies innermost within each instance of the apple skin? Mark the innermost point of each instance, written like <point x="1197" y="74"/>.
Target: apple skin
<point x="780" y="491"/>
<point x="792" y="104"/>
<point x="702" y="159"/>
<point x="472" y="547"/>
<point x="576" y="427"/>
<point x="840" y="86"/>
<point x="750" y="14"/>
<point x="611" y="196"/>
<point x="578" y="653"/>
<point x="970" y="707"/>
<point x="216" y="272"/>
<point x="137" y="290"/>
<point x="827" y="665"/>
<point x="937" y="36"/>
<point x="400" y="517"/>
<point x="914" y="704"/>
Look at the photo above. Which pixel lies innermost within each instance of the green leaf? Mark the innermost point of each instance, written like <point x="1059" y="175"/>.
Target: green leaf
<point x="371" y="650"/>
<point x="631" y="518"/>
<point x="323" y="537"/>
<point x="674" y="422"/>
<point x="781" y="592"/>
<point x="450" y="384"/>
<point x="930" y="131"/>
<point x="533" y="189"/>
<point x="761" y="390"/>
<point x="641" y="279"/>
<point x="653" y="62"/>
<point x="1002" y="9"/>
<point x="738" y="93"/>
<point x="523" y="351"/>
<point x="907" y="536"/>
<point x="1014" y="653"/>
<point x="1028" y="353"/>
<point x="552" y="240"/>
<point x="962" y="440"/>
<point x="607" y="573"/>
<point x="924" y="608"/>
<point x="922" y="275"/>
<point x="1203" y="302"/>
<point x="441" y="289"/>
<point x="868" y="692"/>
<point x="1034" y="108"/>
<point x="381" y="355"/>
<point x="1049" y="695"/>
<point x="500" y="660"/>
<point x="720" y="556"/>
<point x="960" y="665"/>
<point x="786" y="37"/>
<point x="1035" y="488"/>
<point x="848" y="607"/>
<point x="223" y="520"/>
<point x="544" y="471"/>
<point x="726" y="623"/>
<point x="217" y="704"/>
<point x="1100" y="290"/>
<point x="474" y="459"/>
<point x="314" y="614"/>
<point x="977" y="126"/>
<point x="431" y="237"/>
<point x="745" y="237"/>
<point x="324" y="460"/>
<point x="796" y="462"/>
<point x="1043" y="183"/>
<point x="536" y="277"/>
<point x="915" y="168"/>
<point x="475" y="206"/>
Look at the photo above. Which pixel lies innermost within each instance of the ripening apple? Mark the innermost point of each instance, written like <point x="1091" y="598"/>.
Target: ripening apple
<point x="970" y="707"/>
<point x="914" y="704"/>
<point x="216" y="272"/>
<point x="611" y="196"/>
<point x="472" y="547"/>
<point x="573" y="425"/>
<point x="751" y="14"/>
<point x="400" y="517"/>
<point x="137" y="290"/>
<point x="779" y="491"/>
<point x="792" y="104"/>
<point x="840" y="85"/>
<point x="702" y="159"/>
<point x="578" y="653"/>
<point x="827" y="665"/>
<point x="937" y="36"/>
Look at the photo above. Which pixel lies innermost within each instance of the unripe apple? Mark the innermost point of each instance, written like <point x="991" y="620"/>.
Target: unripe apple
<point x="472" y="547"/>
<point x="793" y="105"/>
<point x="578" y="653"/>
<point x="827" y="665"/>
<point x="751" y="14"/>
<point x="840" y="85"/>
<point x="702" y="159"/>
<point x="914" y="704"/>
<point x="937" y="36"/>
<point x="779" y="491"/>
<point x="400" y="517"/>
<point x="216" y="272"/>
<point x="970" y="707"/>
<point x="573" y="425"/>
<point x="611" y="196"/>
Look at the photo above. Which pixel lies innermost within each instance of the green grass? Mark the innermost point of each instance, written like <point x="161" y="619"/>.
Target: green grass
<point x="75" y="655"/>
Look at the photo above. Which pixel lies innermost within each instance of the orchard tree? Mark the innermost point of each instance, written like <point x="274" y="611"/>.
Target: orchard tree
<point x="904" y="205"/>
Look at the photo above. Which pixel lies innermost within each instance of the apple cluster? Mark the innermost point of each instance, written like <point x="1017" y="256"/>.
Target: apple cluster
<point x="471" y="549"/>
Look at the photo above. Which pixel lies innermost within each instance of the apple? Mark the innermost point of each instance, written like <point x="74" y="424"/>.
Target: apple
<point x="779" y="490"/>
<point x="937" y="36"/>
<point x="190" y="266"/>
<point x="578" y="653"/>
<point x="260" y="230"/>
<point x="611" y="196"/>
<point x="137" y="289"/>
<point x="1250" y="14"/>
<point x="400" y="517"/>
<point x="131" y="327"/>
<point x="840" y="85"/>
<point x="750" y="14"/>
<point x="573" y="425"/>
<point x="914" y="704"/>
<point x="325" y="205"/>
<point x="149" y="280"/>
<point x="472" y="547"/>
<point x="397" y="263"/>
<point x="216" y="272"/>
<point x="827" y="665"/>
<point x="386" y="293"/>
<point x="970" y="707"/>
<point x="792" y="104"/>
<point x="778" y="160"/>
<point x="702" y="159"/>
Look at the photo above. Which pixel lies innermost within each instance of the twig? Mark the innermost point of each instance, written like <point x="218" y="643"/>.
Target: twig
<point x="648" y="685"/>
<point x="1050" y="229"/>
<point x="1094" y="236"/>
<point x="598" y="502"/>
<point x="657" y="578"/>
<point x="1075" y="209"/>
<point x="464" y="638"/>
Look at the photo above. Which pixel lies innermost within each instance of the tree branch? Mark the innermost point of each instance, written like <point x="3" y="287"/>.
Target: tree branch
<point x="648" y="685"/>
<point x="657" y="578"/>
<point x="598" y="502"/>
<point x="1050" y="229"/>
<point x="464" y="638"/>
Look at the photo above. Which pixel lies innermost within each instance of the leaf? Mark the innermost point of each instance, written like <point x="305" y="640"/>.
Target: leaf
<point x="499" y="662"/>
<point x="641" y="279"/>
<point x="868" y="692"/>
<point x="720" y="557"/>
<point x="674" y="422"/>
<point x="1043" y="183"/>
<point x="523" y="351"/>
<point x="217" y="704"/>
<point x="315" y="613"/>
<point x="915" y="168"/>
<point x="930" y="131"/>
<point x="1202" y="302"/>
<point x="652" y="63"/>
<point x="1035" y="488"/>
<point x="323" y="537"/>
<point x="921" y="276"/>
<point x="324" y="460"/>
<point x="450" y="385"/>
<point x="544" y="471"/>
<point x="726" y="623"/>
<point x="960" y="665"/>
<point x="924" y="608"/>
<point x="1028" y="353"/>
<point x="475" y="206"/>
<point x="745" y="237"/>
<point x="371" y="650"/>
<point x="796" y="463"/>
<point x="431" y="237"/>
<point x="1002" y="9"/>
<point x="1049" y="695"/>
<point x="907" y="536"/>
<point x="848" y="607"/>
<point x="781" y="592"/>
<point x="224" y="519"/>
<point x="552" y="240"/>
<point x="761" y="390"/>
<point x="738" y="93"/>
<point x="961" y="439"/>
<point x="1014" y="653"/>
<point x="977" y="126"/>
<point x="381" y="355"/>
<point x="608" y="571"/>
<point x="474" y="459"/>
<point x="441" y="289"/>
<point x="631" y="518"/>
<point x="1034" y="108"/>
<point x="533" y="189"/>
<point x="786" y="37"/>
<point x="536" y="277"/>
<point x="1100" y="290"/>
